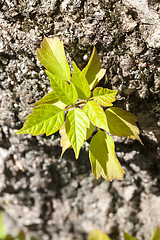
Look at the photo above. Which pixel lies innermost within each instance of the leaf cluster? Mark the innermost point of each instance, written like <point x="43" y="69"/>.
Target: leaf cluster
<point x="75" y="108"/>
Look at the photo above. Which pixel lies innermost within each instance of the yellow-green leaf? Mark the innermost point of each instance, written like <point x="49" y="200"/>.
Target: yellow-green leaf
<point x="97" y="235"/>
<point x="104" y="96"/>
<point x="93" y="71"/>
<point x="156" y="234"/>
<point x="66" y="92"/>
<point x="80" y="82"/>
<point x="103" y="158"/>
<point x="128" y="237"/>
<point x="60" y="104"/>
<point x="76" y="126"/>
<point x="64" y="142"/>
<point x="96" y="114"/>
<point x="53" y="58"/>
<point x="89" y="131"/>
<point x="122" y="123"/>
<point x="21" y="236"/>
<point x="50" y="98"/>
<point x="46" y="118"/>
<point x="98" y="77"/>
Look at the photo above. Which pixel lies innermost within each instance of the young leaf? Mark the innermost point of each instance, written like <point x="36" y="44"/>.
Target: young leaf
<point x="9" y="237"/>
<point x="60" y="105"/>
<point x="93" y="71"/>
<point x="128" y="237"/>
<point x="64" y="142"/>
<point x="103" y="158"/>
<point x="122" y="123"/>
<point x="98" y="77"/>
<point x="53" y="58"/>
<point x="45" y="118"/>
<point x="21" y="235"/>
<point x="76" y="126"/>
<point x="156" y="234"/>
<point x="104" y="96"/>
<point x="97" y="235"/>
<point x="89" y="131"/>
<point x="50" y="98"/>
<point x="65" y="92"/>
<point x="80" y="82"/>
<point x="96" y="115"/>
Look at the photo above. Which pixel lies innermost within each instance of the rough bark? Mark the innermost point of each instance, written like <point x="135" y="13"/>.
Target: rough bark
<point x="51" y="196"/>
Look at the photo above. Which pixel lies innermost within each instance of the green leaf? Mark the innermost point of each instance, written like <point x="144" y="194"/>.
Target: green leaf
<point x="53" y="58"/>
<point x="156" y="234"/>
<point x="104" y="96"/>
<point x="45" y="118"/>
<point x="97" y="235"/>
<point x="128" y="237"/>
<point x="98" y="77"/>
<point x="76" y="126"/>
<point x="64" y="142"/>
<point x="3" y="229"/>
<point x="96" y="114"/>
<point x="122" y="123"/>
<point x="93" y="71"/>
<point x="103" y="158"/>
<point x="66" y="92"/>
<point x="80" y="82"/>
<point x="60" y="105"/>
<point x="9" y="237"/>
<point x="21" y="235"/>
<point x="50" y="98"/>
<point x="89" y="131"/>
